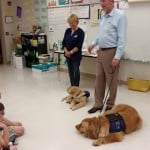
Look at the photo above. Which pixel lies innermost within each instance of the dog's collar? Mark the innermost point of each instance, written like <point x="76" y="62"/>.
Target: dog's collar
<point x="116" y="122"/>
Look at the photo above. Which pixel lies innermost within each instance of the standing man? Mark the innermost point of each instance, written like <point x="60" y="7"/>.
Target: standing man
<point x="111" y="41"/>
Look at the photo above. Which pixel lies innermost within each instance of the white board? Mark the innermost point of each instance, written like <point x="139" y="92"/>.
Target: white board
<point x="57" y="21"/>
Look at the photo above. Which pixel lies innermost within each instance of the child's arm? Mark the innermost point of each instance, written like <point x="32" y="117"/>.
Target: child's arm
<point x="10" y="123"/>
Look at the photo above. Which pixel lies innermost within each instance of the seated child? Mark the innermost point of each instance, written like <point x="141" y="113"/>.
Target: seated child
<point x="8" y="127"/>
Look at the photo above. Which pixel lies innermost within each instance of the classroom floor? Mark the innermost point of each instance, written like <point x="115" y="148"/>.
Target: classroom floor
<point x="35" y="100"/>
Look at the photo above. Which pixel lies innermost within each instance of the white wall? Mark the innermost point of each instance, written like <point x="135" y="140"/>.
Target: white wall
<point x="134" y="69"/>
<point x="138" y="37"/>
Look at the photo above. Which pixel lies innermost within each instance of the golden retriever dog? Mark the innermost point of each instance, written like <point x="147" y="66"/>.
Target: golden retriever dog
<point x="73" y="92"/>
<point x="98" y="128"/>
<point x="76" y="97"/>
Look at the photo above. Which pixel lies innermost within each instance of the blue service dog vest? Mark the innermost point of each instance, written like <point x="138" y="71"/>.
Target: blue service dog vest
<point x="116" y="122"/>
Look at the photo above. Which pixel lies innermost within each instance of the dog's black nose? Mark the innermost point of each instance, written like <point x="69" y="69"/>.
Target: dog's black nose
<point x="77" y="126"/>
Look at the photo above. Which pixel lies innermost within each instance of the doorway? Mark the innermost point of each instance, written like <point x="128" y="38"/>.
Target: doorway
<point x="1" y="56"/>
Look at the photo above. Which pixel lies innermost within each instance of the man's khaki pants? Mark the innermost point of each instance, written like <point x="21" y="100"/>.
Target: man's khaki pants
<point x="105" y="73"/>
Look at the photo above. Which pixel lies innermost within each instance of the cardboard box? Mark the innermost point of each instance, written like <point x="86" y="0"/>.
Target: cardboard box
<point x="19" y="62"/>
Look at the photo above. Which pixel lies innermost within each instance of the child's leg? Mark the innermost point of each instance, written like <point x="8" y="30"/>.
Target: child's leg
<point x="4" y="136"/>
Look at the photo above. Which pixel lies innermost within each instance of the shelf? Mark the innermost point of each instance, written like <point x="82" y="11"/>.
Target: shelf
<point x="138" y="1"/>
<point x="69" y="5"/>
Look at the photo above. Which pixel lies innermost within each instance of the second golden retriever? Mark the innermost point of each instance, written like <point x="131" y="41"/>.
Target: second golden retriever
<point x="98" y="128"/>
<point x="76" y="97"/>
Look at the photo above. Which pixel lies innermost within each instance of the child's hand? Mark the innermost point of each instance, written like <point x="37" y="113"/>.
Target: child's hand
<point x="3" y="125"/>
<point x="17" y="123"/>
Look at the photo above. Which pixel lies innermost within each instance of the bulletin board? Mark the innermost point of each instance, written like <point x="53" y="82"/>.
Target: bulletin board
<point x="82" y="11"/>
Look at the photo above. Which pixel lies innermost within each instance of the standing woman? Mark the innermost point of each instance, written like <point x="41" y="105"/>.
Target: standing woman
<point x="72" y="45"/>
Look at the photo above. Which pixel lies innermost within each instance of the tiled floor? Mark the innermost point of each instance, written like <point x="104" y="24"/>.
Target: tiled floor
<point x="49" y="123"/>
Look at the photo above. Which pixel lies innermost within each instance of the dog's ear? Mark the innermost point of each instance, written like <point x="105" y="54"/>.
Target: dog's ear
<point x="85" y="124"/>
<point x="69" y="88"/>
<point x="74" y="90"/>
<point x="77" y="91"/>
<point x="91" y="128"/>
<point x="104" y="126"/>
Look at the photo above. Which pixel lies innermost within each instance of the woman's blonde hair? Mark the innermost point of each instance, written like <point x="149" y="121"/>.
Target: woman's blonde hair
<point x="73" y="18"/>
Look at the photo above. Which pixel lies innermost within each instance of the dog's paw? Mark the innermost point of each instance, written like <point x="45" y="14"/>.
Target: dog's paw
<point x="73" y="108"/>
<point x="97" y="143"/>
<point x="68" y="102"/>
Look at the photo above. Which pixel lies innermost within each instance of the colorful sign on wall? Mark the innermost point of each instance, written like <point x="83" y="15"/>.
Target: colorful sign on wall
<point x="63" y="2"/>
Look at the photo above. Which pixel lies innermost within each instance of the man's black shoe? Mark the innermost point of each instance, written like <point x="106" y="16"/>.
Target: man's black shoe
<point x="94" y="109"/>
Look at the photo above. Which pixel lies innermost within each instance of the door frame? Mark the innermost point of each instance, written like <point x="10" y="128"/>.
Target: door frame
<point x="2" y="33"/>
